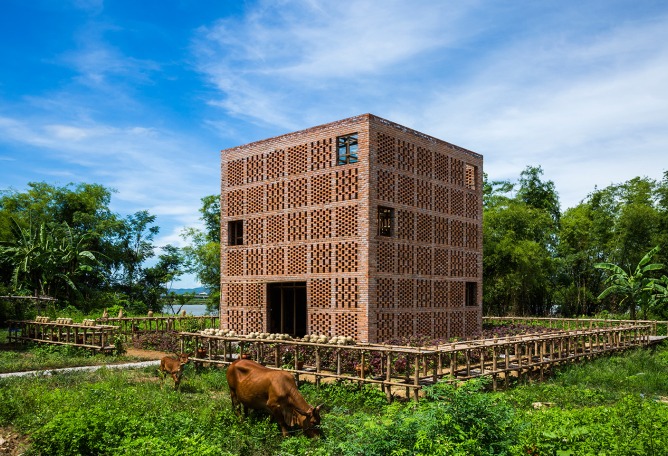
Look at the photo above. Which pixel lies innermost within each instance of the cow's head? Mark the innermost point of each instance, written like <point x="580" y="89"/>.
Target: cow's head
<point x="183" y="358"/>
<point x="309" y="421"/>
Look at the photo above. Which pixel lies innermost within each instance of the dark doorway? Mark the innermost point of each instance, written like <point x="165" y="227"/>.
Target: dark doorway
<point x="287" y="308"/>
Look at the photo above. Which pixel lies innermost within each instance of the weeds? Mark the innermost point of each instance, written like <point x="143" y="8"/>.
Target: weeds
<point x="608" y="406"/>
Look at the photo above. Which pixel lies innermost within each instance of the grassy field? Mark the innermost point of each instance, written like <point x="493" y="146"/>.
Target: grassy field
<point x="611" y="406"/>
<point x="21" y="358"/>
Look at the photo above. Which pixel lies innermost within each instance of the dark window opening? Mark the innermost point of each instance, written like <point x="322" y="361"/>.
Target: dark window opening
<point x="235" y="232"/>
<point x="385" y="216"/>
<point x="287" y="308"/>
<point x="471" y="297"/>
<point x="346" y="147"/>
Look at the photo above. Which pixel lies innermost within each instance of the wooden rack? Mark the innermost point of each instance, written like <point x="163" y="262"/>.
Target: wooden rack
<point x="131" y="326"/>
<point x="90" y="336"/>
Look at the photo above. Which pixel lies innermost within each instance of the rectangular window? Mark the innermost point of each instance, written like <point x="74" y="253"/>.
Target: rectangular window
<point x="471" y="297"/>
<point x="235" y="232"/>
<point x="385" y="216"/>
<point x="346" y="149"/>
<point x="470" y="176"/>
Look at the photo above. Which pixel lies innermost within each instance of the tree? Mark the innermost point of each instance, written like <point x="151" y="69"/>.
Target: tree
<point x="627" y="220"/>
<point x="611" y="225"/>
<point x="577" y="253"/>
<point x="203" y="253"/>
<point x="47" y="261"/>
<point x="518" y="265"/>
<point x="637" y="288"/>
<point x="659" y="304"/>
<point x="157" y="280"/>
<point x="83" y="208"/>
<point x="132" y="246"/>
<point x="538" y="194"/>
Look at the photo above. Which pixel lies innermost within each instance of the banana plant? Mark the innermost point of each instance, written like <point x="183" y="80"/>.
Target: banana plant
<point x="636" y="288"/>
<point x="45" y="258"/>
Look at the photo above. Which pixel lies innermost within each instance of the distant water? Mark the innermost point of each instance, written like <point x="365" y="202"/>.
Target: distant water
<point x="191" y="309"/>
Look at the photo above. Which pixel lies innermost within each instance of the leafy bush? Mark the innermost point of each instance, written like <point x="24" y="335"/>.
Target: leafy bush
<point x="191" y="324"/>
<point x="476" y="422"/>
<point x="113" y="310"/>
<point x="119" y="344"/>
<point x="346" y="396"/>
<point x="450" y="420"/>
<point x="70" y="311"/>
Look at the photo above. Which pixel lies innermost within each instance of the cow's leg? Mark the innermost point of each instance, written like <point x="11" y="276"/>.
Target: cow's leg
<point x="177" y="381"/>
<point x="163" y="375"/>
<point x="235" y="402"/>
<point x="277" y="413"/>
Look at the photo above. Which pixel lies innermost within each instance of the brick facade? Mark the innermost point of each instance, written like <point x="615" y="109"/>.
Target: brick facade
<point x="310" y="255"/>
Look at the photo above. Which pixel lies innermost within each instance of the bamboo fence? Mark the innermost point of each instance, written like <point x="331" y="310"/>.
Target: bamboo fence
<point x="406" y="370"/>
<point x="658" y="328"/>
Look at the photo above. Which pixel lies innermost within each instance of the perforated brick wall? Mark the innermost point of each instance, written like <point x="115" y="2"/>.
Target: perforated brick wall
<point x="308" y="220"/>
<point x="434" y="189"/>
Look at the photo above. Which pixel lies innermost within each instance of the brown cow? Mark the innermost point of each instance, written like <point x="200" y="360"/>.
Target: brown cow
<point x="174" y="367"/>
<point x="254" y="386"/>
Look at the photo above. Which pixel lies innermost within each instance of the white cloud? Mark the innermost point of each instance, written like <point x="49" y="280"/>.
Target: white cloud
<point x="590" y="111"/>
<point x="149" y="168"/>
<point x="67" y="133"/>
<point x="283" y="63"/>
<point x="581" y="94"/>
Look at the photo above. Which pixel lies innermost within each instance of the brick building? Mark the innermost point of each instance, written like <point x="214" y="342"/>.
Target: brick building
<point x="360" y="227"/>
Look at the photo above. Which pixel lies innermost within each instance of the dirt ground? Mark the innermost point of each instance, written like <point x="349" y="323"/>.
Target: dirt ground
<point x="145" y="354"/>
<point x="11" y="442"/>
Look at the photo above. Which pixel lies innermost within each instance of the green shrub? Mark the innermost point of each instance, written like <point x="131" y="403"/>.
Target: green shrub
<point x="345" y="396"/>
<point x="113" y="310"/>
<point x="70" y="311"/>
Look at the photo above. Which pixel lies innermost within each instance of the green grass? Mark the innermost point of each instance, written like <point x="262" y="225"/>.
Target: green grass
<point x="604" y="381"/>
<point x="613" y="406"/>
<point x="44" y="356"/>
<point x="609" y="406"/>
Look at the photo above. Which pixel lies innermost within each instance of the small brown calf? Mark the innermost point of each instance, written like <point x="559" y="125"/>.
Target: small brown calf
<point x="174" y="367"/>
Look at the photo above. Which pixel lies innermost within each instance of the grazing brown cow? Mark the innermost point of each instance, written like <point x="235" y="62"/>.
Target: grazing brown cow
<point x="254" y="386"/>
<point x="174" y="367"/>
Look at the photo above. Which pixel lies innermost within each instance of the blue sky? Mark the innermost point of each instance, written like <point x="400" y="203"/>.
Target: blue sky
<point x="140" y="96"/>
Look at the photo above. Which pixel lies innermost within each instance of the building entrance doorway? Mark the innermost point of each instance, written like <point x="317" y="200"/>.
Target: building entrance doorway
<point x="287" y="308"/>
